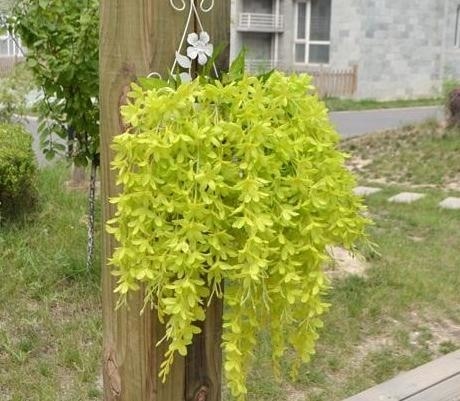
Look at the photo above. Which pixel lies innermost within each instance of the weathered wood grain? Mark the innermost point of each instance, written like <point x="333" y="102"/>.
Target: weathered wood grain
<point x="415" y="382"/>
<point x="217" y="24"/>
<point x="447" y="390"/>
<point x="139" y="37"/>
<point x="203" y="366"/>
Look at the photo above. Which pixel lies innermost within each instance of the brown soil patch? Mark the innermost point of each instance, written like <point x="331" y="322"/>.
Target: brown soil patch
<point x="357" y="163"/>
<point x="425" y="330"/>
<point x="370" y="345"/>
<point x="439" y="330"/>
<point x="293" y="394"/>
<point x="453" y="184"/>
<point x="345" y="263"/>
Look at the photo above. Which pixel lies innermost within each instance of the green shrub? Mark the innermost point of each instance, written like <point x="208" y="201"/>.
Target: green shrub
<point x="17" y="171"/>
<point x="448" y="86"/>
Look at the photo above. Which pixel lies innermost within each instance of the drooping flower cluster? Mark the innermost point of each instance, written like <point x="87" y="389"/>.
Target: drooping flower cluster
<point x="242" y="184"/>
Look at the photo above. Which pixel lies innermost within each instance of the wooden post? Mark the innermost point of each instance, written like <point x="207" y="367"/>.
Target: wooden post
<point x="139" y="37"/>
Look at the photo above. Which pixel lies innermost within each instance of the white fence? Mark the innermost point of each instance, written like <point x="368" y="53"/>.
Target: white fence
<point x="255" y="22"/>
<point x="329" y="82"/>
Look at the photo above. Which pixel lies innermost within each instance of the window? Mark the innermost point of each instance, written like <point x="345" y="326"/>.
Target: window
<point x="457" y="28"/>
<point x="312" y="32"/>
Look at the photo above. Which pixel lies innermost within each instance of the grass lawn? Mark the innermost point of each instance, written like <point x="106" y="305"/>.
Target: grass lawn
<point x="336" y="104"/>
<point x="50" y="324"/>
<point x="401" y="313"/>
<point x="405" y="310"/>
<point x="426" y="156"/>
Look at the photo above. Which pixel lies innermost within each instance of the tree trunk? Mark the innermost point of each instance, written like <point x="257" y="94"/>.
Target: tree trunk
<point x="139" y="37"/>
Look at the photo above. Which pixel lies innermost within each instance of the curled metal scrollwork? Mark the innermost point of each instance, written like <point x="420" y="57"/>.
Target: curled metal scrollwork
<point x="206" y="9"/>
<point x="178" y="8"/>
<point x="205" y="5"/>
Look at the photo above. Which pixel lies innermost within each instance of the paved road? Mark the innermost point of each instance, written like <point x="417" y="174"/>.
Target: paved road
<point x="355" y="123"/>
<point x="348" y="123"/>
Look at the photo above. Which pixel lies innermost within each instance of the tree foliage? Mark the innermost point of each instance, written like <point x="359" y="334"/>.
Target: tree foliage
<point x="238" y="183"/>
<point x="62" y="40"/>
<point x="62" y="37"/>
<point x="13" y="90"/>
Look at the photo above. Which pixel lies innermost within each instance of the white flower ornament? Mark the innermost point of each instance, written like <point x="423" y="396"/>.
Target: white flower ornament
<point x="199" y="47"/>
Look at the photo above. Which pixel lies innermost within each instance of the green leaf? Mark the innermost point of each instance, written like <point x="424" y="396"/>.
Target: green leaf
<point x="31" y="62"/>
<point x="237" y="68"/>
<point x="152" y="83"/>
<point x="265" y="76"/>
<point x="209" y="66"/>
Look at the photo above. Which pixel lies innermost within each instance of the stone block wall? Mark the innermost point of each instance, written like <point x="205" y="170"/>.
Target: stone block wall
<point x="403" y="48"/>
<point x="346" y="27"/>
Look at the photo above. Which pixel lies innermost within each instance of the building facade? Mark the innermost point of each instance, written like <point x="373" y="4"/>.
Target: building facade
<point x="402" y="48"/>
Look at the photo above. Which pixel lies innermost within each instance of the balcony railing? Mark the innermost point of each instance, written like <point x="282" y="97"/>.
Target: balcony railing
<point x="254" y="22"/>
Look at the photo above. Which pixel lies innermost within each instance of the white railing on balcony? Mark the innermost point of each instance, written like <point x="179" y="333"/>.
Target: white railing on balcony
<point x="10" y="47"/>
<point x="254" y="22"/>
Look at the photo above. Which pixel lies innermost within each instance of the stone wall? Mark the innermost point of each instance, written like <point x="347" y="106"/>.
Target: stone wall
<point x="346" y="27"/>
<point x="403" y="48"/>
